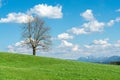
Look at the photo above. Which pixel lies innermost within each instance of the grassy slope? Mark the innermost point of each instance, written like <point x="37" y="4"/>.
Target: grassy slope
<point x="24" y="67"/>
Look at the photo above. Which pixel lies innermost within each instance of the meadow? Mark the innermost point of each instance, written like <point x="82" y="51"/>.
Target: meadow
<point x="28" y="67"/>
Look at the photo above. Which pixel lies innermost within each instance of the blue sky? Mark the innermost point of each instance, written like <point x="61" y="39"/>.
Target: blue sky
<point x="78" y="27"/>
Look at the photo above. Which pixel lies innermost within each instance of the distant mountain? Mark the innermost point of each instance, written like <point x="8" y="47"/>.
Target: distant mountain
<point x="112" y="59"/>
<point x="99" y="59"/>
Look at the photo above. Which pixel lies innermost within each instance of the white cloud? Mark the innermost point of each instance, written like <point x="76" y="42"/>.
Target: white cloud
<point x="92" y="25"/>
<point x="98" y="48"/>
<point x="75" y="48"/>
<point x="88" y="15"/>
<point x="103" y="43"/>
<point x="100" y="42"/>
<point x="69" y="46"/>
<point x="10" y="48"/>
<point x="111" y="23"/>
<point x="22" y="43"/>
<point x="66" y="44"/>
<point x="117" y="44"/>
<point x="89" y="27"/>
<point x="19" y="49"/>
<point x="77" y="31"/>
<point x="16" y="18"/>
<point x="65" y="36"/>
<point x="68" y="50"/>
<point x="118" y="10"/>
<point x="103" y="48"/>
<point x="44" y="10"/>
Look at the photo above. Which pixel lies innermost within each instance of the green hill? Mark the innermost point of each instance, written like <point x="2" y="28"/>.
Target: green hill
<point x="27" y="67"/>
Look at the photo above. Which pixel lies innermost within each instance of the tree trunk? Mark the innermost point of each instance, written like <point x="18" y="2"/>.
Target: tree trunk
<point x="34" y="51"/>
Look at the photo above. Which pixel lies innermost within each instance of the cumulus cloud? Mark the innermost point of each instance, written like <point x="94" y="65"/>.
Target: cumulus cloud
<point x="103" y="48"/>
<point x="68" y="50"/>
<point x="88" y="15"/>
<point x="66" y="44"/>
<point x="44" y="10"/>
<point x="65" y="36"/>
<point x="75" y="48"/>
<point x="16" y="18"/>
<point x="103" y="43"/>
<point x="87" y="28"/>
<point x="77" y="31"/>
<point x="64" y="50"/>
<point x="117" y="44"/>
<point x="112" y="22"/>
<point x="92" y="24"/>
<point x="99" y="44"/>
<point x="19" y="49"/>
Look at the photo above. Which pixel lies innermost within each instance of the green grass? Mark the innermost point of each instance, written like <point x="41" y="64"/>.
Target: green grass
<point x="26" y="67"/>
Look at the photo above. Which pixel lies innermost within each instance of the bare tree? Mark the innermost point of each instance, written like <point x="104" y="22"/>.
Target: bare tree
<point x="36" y="34"/>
